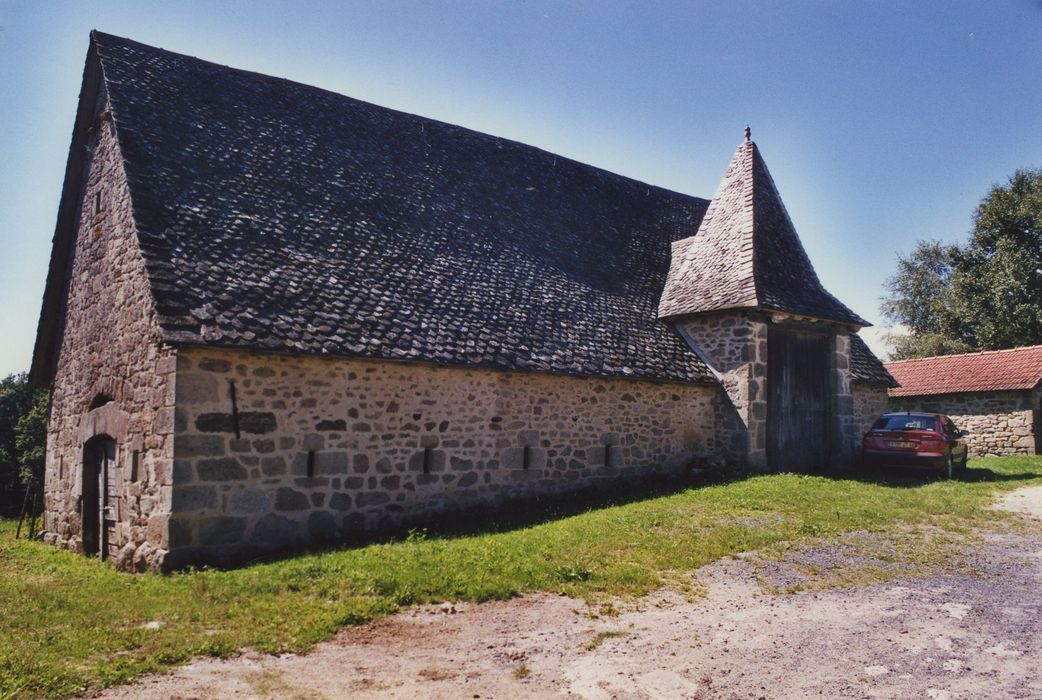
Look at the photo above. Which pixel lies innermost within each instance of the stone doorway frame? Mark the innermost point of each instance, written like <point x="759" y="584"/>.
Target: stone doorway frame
<point x="105" y="421"/>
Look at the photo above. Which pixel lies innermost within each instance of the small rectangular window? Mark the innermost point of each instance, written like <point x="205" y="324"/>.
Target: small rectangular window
<point x="427" y="459"/>
<point x="527" y="457"/>
<point x="97" y="203"/>
<point x="311" y="463"/>
<point x="134" y="457"/>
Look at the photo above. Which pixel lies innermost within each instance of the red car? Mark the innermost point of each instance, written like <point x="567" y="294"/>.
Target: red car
<point x="925" y="440"/>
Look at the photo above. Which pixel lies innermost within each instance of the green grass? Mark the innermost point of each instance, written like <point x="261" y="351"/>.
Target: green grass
<point x="600" y="638"/>
<point x="69" y="624"/>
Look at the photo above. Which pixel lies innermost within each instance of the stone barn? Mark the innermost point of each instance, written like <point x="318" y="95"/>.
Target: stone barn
<point x="277" y="316"/>
<point x="996" y="395"/>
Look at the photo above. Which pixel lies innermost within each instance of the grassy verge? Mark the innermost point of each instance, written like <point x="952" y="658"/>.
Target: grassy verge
<point x="68" y="624"/>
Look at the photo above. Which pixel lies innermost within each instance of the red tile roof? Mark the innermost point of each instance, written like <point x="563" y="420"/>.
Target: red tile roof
<point x="995" y="370"/>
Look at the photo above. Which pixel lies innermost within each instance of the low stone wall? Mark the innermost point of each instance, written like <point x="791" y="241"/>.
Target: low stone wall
<point x="1000" y="422"/>
<point x="870" y="402"/>
<point x="278" y="451"/>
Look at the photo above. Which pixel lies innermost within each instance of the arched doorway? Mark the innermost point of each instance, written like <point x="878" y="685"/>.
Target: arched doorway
<point x="98" y="507"/>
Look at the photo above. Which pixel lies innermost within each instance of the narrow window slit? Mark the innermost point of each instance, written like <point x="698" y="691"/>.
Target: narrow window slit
<point x="311" y="463"/>
<point x="134" y="457"/>
<point x="527" y="457"/>
<point x="607" y="454"/>
<point x="97" y="203"/>
<point x="235" y="408"/>
<point x="427" y="459"/>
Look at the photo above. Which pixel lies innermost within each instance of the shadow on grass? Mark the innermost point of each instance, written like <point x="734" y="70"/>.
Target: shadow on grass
<point x="909" y="477"/>
<point x="537" y="510"/>
<point x="484" y="519"/>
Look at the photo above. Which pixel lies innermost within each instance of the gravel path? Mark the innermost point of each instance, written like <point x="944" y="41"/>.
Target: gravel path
<point x="967" y="635"/>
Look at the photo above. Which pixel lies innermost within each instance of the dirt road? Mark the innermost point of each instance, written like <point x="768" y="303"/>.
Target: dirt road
<point x="973" y="631"/>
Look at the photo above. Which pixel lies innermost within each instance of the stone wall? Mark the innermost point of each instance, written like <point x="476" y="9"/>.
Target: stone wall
<point x="846" y="440"/>
<point x="734" y="345"/>
<point x="870" y="402"/>
<point x="278" y="451"/>
<point x="110" y="348"/>
<point x="1000" y="422"/>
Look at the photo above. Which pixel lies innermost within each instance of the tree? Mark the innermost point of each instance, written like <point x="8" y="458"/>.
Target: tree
<point x="31" y="439"/>
<point x="23" y="437"/>
<point x="997" y="283"/>
<point x="921" y="300"/>
<point x="985" y="295"/>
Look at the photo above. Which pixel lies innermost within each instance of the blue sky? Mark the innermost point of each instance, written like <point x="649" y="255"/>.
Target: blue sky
<point x="882" y="122"/>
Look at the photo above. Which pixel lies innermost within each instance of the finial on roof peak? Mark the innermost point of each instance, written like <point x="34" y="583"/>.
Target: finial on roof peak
<point x="748" y="133"/>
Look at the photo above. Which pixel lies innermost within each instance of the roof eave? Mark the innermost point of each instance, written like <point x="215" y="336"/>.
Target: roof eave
<point x="188" y="341"/>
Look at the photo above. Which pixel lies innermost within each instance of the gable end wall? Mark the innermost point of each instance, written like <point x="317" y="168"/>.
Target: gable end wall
<point x="110" y="345"/>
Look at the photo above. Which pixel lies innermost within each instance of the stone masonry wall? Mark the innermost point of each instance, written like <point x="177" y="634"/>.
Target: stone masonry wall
<point x="846" y="439"/>
<point x="734" y="345"/>
<point x="111" y="347"/>
<point x="331" y="447"/>
<point x="1000" y="422"/>
<point x="870" y="402"/>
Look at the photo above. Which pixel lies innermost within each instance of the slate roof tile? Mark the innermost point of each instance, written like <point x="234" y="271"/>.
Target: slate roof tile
<point x="280" y="216"/>
<point x="746" y="254"/>
<point x="865" y="366"/>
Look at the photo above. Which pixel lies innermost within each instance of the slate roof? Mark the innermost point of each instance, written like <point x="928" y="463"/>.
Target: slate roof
<point x="276" y="216"/>
<point x="746" y="254"/>
<point x="273" y="215"/>
<point x="865" y="366"/>
<point x="995" y="370"/>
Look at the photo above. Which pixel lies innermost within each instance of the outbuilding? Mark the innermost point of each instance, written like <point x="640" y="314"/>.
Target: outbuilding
<point x="995" y="395"/>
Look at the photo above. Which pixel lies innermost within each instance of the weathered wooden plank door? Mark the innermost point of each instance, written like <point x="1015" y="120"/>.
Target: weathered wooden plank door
<point x="99" y="500"/>
<point x="798" y="405"/>
<point x="108" y="488"/>
<point x="90" y="503"/>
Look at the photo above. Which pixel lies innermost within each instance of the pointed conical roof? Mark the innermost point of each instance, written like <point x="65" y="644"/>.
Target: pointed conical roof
<point x="746" y="254"/>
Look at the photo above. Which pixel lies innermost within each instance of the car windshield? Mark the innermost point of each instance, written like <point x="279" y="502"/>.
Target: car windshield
<point x="906" y="422"/>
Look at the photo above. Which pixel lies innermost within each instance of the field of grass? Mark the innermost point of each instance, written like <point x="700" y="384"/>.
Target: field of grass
<point x="71" y="625"/>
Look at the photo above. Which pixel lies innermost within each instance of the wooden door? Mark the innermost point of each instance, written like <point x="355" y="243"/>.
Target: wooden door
<point x="108" y="488"/>
<point x="90" y="502"/>
<point x="798" y="403"/>
<point x="100" y="498"/>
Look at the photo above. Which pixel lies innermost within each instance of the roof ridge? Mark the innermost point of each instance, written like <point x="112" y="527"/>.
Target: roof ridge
<point x="95" y="33"/>
<point x="966" y="354"/>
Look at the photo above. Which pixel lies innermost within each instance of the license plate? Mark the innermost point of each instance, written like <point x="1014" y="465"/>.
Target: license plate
<point x="899" y="443"/>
